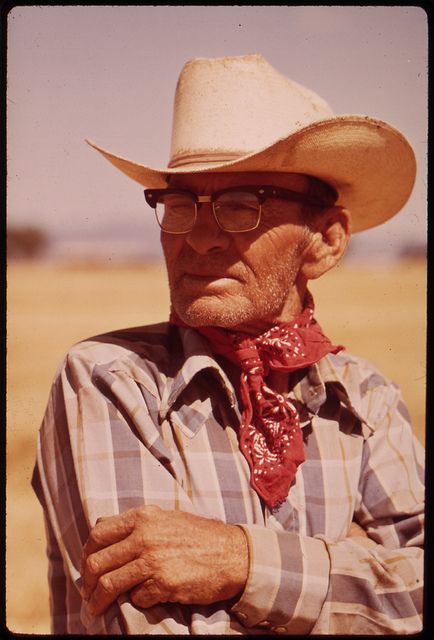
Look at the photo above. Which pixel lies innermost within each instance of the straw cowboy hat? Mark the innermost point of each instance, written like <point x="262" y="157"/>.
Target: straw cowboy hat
<point x="240" y="114"/>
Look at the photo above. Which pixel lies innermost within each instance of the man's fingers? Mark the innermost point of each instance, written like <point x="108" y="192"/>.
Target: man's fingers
<point x="110" y="585"/>
<point x="104" y="561"/>
<point x="108" y="531"/>
<point x="146" y="594"/>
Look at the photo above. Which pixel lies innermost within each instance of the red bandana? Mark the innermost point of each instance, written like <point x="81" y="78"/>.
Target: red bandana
<point x="270" y="435"/>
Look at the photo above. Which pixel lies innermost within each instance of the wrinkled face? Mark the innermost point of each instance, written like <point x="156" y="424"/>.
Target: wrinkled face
<point x="246" y="280"/>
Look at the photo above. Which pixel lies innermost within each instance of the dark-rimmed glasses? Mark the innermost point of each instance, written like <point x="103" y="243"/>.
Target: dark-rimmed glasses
<point x="236" y="209"/>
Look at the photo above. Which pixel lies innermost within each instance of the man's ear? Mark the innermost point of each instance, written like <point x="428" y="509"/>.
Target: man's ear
<point x="330" y="232"/>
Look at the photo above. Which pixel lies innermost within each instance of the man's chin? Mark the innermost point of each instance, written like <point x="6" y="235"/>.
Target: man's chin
<point x="210" y="312"/>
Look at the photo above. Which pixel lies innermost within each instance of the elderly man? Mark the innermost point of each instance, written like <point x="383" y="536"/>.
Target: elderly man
<point x="232" y="471"/>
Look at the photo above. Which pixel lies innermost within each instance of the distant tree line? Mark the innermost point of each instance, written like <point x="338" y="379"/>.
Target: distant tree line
<point x="30" y="242"/>
<point x="414" y="251"/>
<point x="26" y="242"/>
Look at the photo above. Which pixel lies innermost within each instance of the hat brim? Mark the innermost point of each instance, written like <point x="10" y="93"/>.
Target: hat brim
<point x="369" y="163"/>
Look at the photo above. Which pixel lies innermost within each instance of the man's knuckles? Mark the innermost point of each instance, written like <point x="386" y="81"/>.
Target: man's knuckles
<point x="92" y="565"/>
<point x="110" y="585"/>
<point x="106" y="586"/>
<point x="119" y="525"/>
<point x="139" y="514"/>
<point x="159" y="586"/>
<point x="97" y="537"/>
<point x="143" y="567"/>
<point x="147" y="594"/>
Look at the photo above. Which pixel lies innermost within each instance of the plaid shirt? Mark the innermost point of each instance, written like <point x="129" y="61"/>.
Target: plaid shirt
<point x="148" y="416"/>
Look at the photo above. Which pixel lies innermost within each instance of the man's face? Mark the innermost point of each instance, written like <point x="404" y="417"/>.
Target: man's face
<point x="246" y="280"/>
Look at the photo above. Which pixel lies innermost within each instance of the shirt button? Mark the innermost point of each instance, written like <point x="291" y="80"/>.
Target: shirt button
<point x="280" y="629"/>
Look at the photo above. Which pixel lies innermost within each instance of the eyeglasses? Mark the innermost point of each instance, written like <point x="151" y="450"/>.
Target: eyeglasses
<point x="236" y="209"/>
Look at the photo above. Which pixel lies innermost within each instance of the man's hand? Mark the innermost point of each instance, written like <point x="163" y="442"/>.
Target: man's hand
<point x="162" y="556"/>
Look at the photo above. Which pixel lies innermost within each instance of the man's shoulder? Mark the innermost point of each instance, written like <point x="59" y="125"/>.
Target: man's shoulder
<point x="370" y="393"/>
<point x="354" y="369"/>
<point x="148" y="342"/>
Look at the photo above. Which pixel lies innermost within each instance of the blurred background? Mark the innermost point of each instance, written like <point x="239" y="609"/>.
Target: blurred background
<point x="83" y="250"/>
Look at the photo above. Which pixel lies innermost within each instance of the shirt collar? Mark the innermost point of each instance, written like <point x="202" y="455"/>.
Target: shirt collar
<point x="197" y="358"/>
<point x="311" y="390"/>
<point x="330" y="372"/>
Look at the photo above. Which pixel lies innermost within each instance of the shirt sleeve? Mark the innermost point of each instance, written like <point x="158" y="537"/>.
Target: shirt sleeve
<point x="56" y="482"/>
<point x="56" y="573"/>
<point x="91" y="463"/>
<point x="360" y="584"/>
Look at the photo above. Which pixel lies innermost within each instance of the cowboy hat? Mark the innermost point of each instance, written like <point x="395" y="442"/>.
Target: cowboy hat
<point x="240" y="114"/>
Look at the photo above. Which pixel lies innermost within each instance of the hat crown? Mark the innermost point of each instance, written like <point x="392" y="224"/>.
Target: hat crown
<point x="228" y="107"/>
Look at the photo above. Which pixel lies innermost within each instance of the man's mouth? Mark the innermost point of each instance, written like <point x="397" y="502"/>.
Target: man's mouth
<point x="203" y="279"/>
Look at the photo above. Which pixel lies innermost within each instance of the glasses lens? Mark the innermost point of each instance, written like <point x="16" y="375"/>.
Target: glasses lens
<point x="176" y="212"/>
<point x="237" y="211"/>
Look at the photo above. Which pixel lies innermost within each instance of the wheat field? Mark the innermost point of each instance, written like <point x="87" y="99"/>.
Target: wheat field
<point x="375" y="311"/>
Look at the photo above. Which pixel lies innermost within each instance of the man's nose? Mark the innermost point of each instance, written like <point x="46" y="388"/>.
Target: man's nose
<point x="206" y="236"/>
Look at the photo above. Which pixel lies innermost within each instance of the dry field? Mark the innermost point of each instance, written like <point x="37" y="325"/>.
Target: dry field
<point x="378" y="312"/>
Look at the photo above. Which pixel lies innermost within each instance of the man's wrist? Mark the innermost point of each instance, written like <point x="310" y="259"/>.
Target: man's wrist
<point x="240" y="560"/>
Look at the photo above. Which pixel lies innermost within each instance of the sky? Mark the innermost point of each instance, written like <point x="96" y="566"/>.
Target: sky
<point x="108" y="73"/>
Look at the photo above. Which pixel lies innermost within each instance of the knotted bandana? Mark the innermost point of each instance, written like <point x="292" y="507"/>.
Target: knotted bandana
<point x="270" y="435"/>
